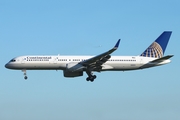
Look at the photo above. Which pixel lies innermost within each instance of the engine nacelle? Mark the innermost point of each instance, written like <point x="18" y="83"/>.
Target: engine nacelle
<point x="72" y="74"/>
<point x="73" y="70"/>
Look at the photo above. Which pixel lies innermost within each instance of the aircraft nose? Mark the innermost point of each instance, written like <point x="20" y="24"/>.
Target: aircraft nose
<point x="7" y="65"/>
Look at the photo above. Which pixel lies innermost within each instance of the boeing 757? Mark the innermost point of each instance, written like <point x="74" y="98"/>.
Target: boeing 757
<point x="74" y="66"/>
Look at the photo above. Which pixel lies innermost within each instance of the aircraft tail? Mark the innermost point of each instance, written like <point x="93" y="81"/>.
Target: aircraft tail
<point x="158" y="47"/>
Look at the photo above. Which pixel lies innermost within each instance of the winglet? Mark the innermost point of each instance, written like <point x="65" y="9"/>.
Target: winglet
<point x="117" y="44"/>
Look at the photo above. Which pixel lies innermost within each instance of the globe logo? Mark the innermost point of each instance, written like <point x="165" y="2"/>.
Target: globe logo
<point x="154" y="50"/>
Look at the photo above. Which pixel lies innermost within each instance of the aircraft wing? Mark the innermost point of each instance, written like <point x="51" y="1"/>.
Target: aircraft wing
<point x="97" y="61"/>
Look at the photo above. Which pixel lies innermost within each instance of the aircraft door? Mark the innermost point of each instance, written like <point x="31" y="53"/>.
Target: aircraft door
<point x="141" y="61"/>
<point x="23" y="60"/>
<point x="55" y="59"/>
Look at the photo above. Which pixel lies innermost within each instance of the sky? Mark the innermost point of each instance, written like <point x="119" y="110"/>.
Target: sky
<point x="81" y="27"/>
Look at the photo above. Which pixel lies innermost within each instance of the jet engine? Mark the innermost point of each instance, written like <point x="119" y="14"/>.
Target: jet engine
<point x="73" y="70"/>
<point x="72" y="74"/>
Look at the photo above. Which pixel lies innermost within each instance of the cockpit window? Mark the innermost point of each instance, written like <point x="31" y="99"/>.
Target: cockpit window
<point x="13" y="60"/>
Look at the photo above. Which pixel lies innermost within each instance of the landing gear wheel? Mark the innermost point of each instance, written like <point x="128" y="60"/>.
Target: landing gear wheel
<point x="94" y="76"/>
<point x="87" y="79"/>
<point x="25" y="77"/>
<point x="91" y="78"/>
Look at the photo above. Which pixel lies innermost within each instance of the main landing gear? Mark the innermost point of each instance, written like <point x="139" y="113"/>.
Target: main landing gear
<point x="90" y="77"/>
<point x="25" y="75"/>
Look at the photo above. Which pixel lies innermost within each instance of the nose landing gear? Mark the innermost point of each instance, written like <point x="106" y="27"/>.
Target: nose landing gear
<point x="25" y="75"/>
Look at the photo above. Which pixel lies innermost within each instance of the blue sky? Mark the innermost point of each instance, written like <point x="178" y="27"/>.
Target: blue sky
<point x="66" y="27"/>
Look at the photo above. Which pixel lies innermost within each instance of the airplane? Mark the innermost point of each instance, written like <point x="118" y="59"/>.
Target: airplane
<point x="74" y="66"/>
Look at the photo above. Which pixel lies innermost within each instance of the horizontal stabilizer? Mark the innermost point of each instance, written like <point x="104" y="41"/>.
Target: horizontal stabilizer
<point x="162" y="59"/>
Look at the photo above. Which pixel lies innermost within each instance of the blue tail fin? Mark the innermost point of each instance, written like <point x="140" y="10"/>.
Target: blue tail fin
<point x="158" y="47"/>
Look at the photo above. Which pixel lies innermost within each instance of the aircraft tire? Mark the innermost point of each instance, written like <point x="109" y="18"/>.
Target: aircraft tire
<point x="87" y="79"/>
<point x="25" y="77"/>
<point x="91" y="78"/>
<point x="94" y="76"/>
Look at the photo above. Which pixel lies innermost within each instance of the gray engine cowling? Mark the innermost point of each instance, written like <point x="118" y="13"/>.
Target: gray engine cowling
<point x="73" y="70"/>
<point x="72" y="74"/>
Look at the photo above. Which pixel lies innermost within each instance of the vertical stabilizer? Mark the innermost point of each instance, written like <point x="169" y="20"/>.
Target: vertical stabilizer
<point x="158" y="47"/>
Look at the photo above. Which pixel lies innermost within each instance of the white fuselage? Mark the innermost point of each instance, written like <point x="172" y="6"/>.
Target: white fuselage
<point x="115" y="63"/>
<point x="74" y="66"/>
